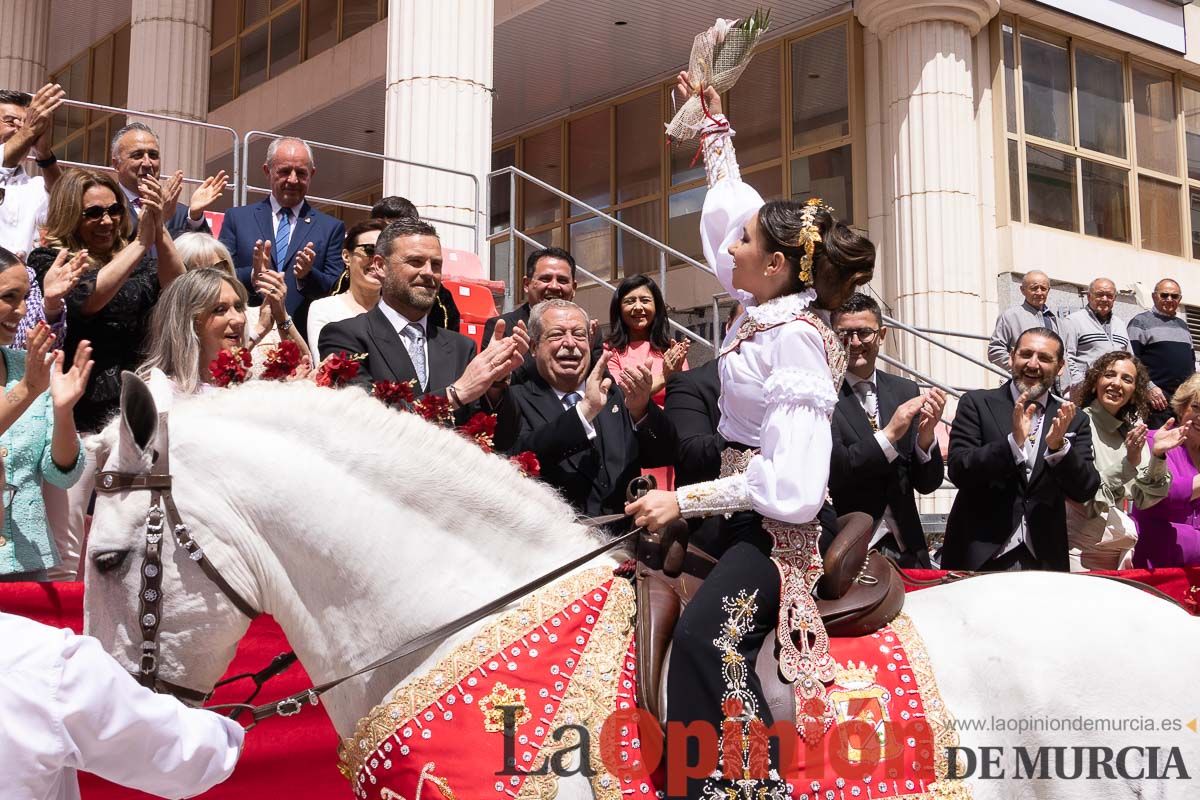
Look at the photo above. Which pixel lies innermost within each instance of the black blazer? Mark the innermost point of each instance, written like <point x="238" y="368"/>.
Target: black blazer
<point x="862" y="479"/>
<point x="591" y="475"/>
<point x="691" y="406"/>
<point x="993" y="493"/>
<point x="527" y="370"/>
<point x="388" y="360"/>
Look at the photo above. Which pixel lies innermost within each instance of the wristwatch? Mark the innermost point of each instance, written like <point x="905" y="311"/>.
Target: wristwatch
<point x="286" y="325"/>
<point x="48" y="161"/>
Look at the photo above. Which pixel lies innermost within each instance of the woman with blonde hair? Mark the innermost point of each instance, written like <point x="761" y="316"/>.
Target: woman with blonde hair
<point x="198" y="317"/>
<point x="203" y="250"/>
<point x="1169" y="531"/>
<point x="110" y="305"/>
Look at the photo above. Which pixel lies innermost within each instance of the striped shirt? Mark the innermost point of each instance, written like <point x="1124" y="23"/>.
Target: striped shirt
<point x="1164" y="345"/>
<point x="1087" y="338"/>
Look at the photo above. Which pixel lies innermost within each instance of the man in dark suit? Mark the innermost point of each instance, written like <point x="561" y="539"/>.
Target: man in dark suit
<point x="135" y="155"/>
<point x="590" y="435"/>
<point x="445" y="312"/>
<point x="1016" y="453"/>
<point x="549" y="274"/>
<point x="306" y="245"/>
<point x="885" y="447"/>
<point x="401" y="345"/>
<point x="692" y="407"/>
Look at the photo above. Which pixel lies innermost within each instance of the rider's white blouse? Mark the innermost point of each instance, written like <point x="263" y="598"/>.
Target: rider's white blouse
<point x="777" y="392"/>
<point x="66" y="706"/>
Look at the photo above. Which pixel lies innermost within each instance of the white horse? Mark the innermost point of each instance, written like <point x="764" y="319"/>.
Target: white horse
<point x="359" y="528"/>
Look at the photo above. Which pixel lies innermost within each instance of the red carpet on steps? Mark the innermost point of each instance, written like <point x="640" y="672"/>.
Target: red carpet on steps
<point x="296" y="757"/>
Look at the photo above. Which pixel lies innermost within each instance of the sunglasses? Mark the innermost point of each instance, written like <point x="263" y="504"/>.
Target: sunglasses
<point x="368" y="250"/>
<point x="115" y="211"/>
<point x="1170" y="296"/>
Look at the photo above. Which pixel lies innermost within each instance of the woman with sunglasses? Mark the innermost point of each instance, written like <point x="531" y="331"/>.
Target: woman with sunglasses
<point x="110" y="306"/>
<point x="357" y="291"/>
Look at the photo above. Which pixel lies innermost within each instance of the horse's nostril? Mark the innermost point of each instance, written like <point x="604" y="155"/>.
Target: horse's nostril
<point x="109" y="560"/>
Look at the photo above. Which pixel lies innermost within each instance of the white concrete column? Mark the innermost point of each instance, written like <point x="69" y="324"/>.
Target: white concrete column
<point x="439" y="109"/>
<point x="930" y="172"/>
<point x="24" y="26"/>
<point x="168" y="57"/>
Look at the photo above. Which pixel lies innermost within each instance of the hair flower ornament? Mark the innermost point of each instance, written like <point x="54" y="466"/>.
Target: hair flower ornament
<point x="810" y="234"/>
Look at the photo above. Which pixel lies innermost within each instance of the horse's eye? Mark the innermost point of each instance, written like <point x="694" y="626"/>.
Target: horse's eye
<point x="109" y="560"/>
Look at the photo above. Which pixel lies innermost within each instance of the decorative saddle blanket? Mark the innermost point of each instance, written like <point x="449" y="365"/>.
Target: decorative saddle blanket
<point x="514" y="707"/>
<point x="891" y="729"/>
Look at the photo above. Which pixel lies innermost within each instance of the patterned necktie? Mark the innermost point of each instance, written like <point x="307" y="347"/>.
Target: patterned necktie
<point x="866" y="396"/>
<point x="416" y="351"/>
<point x="283" y="237"/>
<point x="569" y="400"/>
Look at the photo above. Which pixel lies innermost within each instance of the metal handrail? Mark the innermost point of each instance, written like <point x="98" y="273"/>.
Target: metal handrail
<point x="476" y="211"/>
<point x="960" y="334"/>
<point x="663" y="249"/>
<point x="695" y="337"/>
<point x="129" y="112"/>
<point x="950" y="390"/>
<point x="895" y="323"/>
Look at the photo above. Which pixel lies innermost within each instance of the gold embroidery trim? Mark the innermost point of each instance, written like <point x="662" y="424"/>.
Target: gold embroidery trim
<point x="411" y="696"/>
<point x="591" y="697"/>
<point x="939" y="717"/>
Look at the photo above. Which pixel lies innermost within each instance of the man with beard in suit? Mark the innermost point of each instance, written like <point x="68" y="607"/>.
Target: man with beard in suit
<point x="401" y="345"/>
<point x="885" y="448"/>
<point x="591" y="435"/>
<point x="1016" y="453"/>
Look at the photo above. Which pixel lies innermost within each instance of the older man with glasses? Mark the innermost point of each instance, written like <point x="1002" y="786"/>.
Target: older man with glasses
<point x="1093" y="331"/>
<point x="1161" y="339"/>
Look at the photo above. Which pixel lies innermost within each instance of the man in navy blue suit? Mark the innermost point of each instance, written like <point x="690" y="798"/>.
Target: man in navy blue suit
<point x="135" y="155"/>
<point x="306" y="245"/>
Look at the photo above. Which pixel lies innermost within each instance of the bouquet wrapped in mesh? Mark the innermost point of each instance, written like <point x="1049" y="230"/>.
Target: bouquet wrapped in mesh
<point x="719" y="56"/>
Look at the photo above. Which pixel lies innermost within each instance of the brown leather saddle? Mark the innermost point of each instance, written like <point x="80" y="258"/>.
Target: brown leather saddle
<point x="859" y="593"/>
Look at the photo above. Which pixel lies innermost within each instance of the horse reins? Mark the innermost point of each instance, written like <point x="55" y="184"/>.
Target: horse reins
<point x="163" y="510"/>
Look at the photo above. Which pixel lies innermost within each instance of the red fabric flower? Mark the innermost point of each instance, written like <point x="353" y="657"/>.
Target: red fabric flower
<point x="434" y="408"/>
<point x="282" y="360"/>
<point x="393" y="393"/>
<point x="230" y="366"/>
<point x="338" y="368"/>
<point x="481" y="427"/>
<point x="527" y="462"/>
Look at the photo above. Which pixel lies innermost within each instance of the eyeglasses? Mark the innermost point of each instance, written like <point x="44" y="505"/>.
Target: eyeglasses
<point x="368" y="250"/>
<point x="1170" y="296"/>
<point x="865" y="335"/>
<point x="115" y="211"/>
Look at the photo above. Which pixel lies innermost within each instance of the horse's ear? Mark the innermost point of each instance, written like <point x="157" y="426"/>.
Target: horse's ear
<point x="139" y="414"/>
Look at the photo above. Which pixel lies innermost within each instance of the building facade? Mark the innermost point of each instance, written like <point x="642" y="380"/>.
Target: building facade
<point x="973" y="140"/>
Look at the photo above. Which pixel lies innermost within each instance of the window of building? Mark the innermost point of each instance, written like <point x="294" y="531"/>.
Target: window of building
<point x="1098" y="142"/>
<point x="101" y="76"/>
<point x="795" y="139"/>
<point x="256" y="40"/>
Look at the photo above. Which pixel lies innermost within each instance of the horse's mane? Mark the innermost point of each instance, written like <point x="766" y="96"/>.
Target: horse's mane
<point x="397" y="455"/>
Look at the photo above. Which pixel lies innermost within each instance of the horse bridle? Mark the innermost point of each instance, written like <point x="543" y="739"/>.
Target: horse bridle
<point x="163" y="511"/>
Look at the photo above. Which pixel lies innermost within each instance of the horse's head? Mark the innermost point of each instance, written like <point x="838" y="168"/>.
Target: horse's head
<point x="198" y="624"/>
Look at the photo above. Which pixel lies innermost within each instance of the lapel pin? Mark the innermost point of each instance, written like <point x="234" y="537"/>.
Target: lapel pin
<point x="308" y="220"/>
<point x="614" y="409"/>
